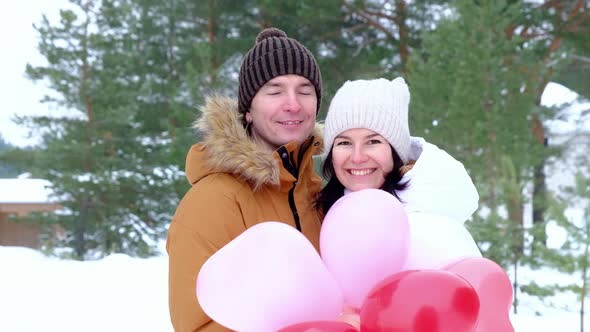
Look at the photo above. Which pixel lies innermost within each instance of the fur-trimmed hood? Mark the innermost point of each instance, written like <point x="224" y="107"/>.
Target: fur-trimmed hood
<point x="227" y="147"/>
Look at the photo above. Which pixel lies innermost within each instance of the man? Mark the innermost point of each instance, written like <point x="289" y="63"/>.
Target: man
<point x="254" y="165"/>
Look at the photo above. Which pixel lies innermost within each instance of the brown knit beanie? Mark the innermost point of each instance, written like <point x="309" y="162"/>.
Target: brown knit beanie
<point x="275" y="54"/>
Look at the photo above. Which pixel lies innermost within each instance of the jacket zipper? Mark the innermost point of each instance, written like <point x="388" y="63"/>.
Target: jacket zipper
<point x="290" y="167"/>
<point x="293" y="207"/>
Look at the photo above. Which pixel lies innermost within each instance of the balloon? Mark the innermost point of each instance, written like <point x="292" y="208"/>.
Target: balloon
<point x="436" y="241"/>
<point x="364" y="239"/>
<point x="493" y="288"/>
<point x="421" y="301"/>
<point x="268" y="277"/>
<point x="319" y="326"/>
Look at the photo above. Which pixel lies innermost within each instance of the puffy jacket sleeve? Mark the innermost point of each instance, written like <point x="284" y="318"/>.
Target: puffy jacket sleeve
<point x="203" y="223"/>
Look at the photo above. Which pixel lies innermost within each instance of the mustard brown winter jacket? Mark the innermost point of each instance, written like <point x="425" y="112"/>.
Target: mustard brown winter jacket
<point x="236" y="183"/>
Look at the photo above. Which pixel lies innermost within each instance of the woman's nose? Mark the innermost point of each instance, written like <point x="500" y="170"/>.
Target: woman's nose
<point x="359" y="155"/>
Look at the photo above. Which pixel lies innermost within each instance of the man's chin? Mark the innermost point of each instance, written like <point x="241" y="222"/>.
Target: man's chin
<point x="288" y="139"/>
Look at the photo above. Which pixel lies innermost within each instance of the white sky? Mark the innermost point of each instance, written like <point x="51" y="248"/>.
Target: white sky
<point x="19" y="40"/>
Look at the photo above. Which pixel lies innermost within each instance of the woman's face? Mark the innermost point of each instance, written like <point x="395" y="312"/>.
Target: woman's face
<point x="362" y="159"/>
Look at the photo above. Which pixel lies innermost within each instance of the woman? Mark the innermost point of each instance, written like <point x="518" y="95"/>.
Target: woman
<point x="368" y="145"/>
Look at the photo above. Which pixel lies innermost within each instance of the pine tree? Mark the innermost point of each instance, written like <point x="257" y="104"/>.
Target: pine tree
<point x="93" y="154"/>
<point x="468" y="97"/>
<point x="124" y="69"/>
<point x="7" y="170"/>
<point x="571" y="212"/>
<point x="377" y="38"/>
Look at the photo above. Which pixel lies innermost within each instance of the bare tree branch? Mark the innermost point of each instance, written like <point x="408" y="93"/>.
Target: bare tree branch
<point x="370" y="21"/>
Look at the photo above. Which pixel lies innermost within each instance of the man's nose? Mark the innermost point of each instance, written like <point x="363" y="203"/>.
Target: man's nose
<point x="293" y="104"/>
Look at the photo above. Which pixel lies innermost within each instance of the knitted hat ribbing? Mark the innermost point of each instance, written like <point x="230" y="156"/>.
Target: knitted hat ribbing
<point x="275" y="54"/>
<point x="379" y="105"/>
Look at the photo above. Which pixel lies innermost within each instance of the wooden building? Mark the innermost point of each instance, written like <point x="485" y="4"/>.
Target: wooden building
<point x="19" y="197"/>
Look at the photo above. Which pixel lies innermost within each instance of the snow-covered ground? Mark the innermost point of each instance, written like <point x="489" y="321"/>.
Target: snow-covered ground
<point x="117" y="293"/>
<point x="120" y="293"/>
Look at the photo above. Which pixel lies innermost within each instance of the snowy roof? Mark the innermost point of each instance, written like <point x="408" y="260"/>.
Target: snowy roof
<point x="24" y="191"/>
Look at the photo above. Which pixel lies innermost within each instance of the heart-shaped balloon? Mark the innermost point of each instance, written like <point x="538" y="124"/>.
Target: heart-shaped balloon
<point x="268" y="277"/>
<point x="421" y="301"/>
<point x="319" y="326"/>
<point x="493" y="288"/>
<point x="364" y="238"/>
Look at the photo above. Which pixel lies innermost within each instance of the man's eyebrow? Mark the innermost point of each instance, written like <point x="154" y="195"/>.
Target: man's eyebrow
<point x="273" y="84"/>
<point x="281" y="84"/>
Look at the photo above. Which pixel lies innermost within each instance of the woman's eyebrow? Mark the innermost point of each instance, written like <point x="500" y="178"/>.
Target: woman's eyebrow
<point x="368" y="136"/>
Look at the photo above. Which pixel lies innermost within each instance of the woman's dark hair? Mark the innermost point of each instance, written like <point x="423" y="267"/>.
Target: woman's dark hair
<point x="333" y="190"/>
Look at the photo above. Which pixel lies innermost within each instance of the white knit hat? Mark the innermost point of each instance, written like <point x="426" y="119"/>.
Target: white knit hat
<point x="379" y="105"/>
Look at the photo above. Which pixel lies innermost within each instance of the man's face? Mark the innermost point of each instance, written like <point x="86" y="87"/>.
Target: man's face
<point x="283" y="111"/>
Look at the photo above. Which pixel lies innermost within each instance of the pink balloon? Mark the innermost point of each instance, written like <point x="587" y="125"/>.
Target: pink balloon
<point x="364" y="239"/>
<point x="267" y="278"/>
<point x="320" y="326"/>
<point x="493" y="288"/>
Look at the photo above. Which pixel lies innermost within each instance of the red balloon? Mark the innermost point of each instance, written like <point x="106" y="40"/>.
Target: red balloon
<point x="320" y="326"/>
<point x="493" y="288"/>
<point x="421" y="301"/>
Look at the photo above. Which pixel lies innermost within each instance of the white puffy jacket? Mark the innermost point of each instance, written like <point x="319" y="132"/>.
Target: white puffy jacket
<point x="439" y="199"/>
